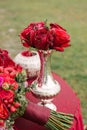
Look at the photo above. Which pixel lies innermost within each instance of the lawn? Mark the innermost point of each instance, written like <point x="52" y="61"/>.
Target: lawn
<point x="72" y="15"/>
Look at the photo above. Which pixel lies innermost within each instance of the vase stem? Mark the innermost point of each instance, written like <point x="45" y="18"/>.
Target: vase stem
<point x="45" y="70"/>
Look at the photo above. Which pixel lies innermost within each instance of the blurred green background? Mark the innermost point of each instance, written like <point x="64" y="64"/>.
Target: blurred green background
<point x="71" y="65"/>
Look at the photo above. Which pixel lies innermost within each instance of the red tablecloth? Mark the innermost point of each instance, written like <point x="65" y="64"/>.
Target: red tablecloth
<point x="66" y="101"/>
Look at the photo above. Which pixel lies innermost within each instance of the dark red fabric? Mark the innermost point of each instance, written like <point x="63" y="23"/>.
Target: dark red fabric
<point x="36" y="113"/>
<point x="66" y="101"/>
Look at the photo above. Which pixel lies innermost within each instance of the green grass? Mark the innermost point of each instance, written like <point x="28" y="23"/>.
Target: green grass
<point x="72" y="15"/>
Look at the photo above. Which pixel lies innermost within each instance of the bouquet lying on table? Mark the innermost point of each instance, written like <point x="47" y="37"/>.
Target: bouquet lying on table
<point x="13" y="102"/>
<point x="12" y="91"/>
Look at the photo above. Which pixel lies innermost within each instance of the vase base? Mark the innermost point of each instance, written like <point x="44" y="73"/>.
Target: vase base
<point x="48" y="105"/>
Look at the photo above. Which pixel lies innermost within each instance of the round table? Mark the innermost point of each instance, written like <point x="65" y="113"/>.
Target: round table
<point x="66" y="101"/>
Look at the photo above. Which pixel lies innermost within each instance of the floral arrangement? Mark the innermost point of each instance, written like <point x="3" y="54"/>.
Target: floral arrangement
<point x="43" y="37"/>
<point x="12" y="91"/>
<point x="13" y="102"/>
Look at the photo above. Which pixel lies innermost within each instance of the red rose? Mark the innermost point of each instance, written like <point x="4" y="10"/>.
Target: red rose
<point x="11" y="82"/>
<point x="39" y="39"/>
<point x="3" y="111"/>
<point x="11" y="71"/>
<point x="5" y="60"/>
<point x="4" y="75"/>
<point x="14" y="86"/>
<point x="6" y="94"/>
<point x="58" y="37"/>
<point x="18" y="68"/>
<point x="35" y="35"/>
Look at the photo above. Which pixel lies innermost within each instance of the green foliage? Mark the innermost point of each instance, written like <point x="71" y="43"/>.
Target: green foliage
<point x="72" y="15"/>
<point x="21" y="77"/>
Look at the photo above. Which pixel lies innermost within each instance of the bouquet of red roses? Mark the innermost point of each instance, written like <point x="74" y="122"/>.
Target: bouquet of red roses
<point x="44" y="37"/>
<point x="12" y="91"/>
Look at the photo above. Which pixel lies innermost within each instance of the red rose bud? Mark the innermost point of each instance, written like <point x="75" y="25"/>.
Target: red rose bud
<point x="6" y="101"/>
<point x="17" y="104"/>
<point x="12" y="109"/>
<point x="1" y="123"/>
<point x="11" y="100"/>
<point x="9" y="105"/>
<point x="15" y="86"/>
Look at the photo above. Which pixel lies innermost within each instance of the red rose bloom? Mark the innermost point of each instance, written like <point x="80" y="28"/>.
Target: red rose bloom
<point x="3" y="111"/>
<point x="6" y="94"/>
<point x="58" y="37"/>
<point x="18" y="68"/>
<point x="5" y="60"/>
<point x="35" y="35"/>
<point x="10" y="71"/>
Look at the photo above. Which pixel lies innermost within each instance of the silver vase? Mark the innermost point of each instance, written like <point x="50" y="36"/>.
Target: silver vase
<point x="45" y="87"/>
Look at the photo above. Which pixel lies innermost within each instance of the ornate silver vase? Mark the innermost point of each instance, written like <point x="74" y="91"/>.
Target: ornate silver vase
<point x="45" y="87"/>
